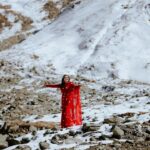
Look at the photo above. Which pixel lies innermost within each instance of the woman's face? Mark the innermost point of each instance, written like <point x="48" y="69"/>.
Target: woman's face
<point x="66" y="79"/>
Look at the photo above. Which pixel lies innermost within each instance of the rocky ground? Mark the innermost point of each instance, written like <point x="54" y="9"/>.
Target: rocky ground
<point x="21" y="99"/>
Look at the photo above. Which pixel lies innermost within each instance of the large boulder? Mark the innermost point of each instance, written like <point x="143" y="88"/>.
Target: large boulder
<point x="117" y="132"/>
<point x="3" y="141"/>
<point x="89" y="127"/>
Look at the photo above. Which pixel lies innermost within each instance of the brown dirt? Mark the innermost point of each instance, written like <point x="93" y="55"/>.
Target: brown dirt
<point x="51" y="9"/>
<point x="67" y="2"/>
<point x="26" y="22"/>
<point x="4" y="22"/>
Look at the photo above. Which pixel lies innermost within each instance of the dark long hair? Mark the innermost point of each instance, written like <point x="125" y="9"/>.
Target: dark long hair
<point x="62" y="81"/>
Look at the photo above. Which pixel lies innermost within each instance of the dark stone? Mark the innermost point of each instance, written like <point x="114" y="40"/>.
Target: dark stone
<point x="34" y="133"/>
<point x="31" y="103"/>
<point x="23" y="147"/>
<point x="78" y="132"/>
<point x="25" y="140"/>
<point x="55" y="139"/>
<point x="11" y="107"/>
<point x="108" y="88"/>
<point x="48" y="132"/>
<point x="36" y="31"/>
<point x="148" y="130"/>
<point x="102" y="137"/>
<point x="88" y="127"/>
<point x="34" y="138"/>
<point x="65" y="136"/>
<point x="147" y="138"/>
<point x="92" y="139"/>
<point x="12" y="142"/>
<point x="72" y="133"/>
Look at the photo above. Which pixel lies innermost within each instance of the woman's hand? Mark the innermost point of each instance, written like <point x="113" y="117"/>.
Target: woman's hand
<point x="45" y="83"/>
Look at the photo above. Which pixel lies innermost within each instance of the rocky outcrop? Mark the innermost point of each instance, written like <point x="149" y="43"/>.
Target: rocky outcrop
<point x="19" y="126"/>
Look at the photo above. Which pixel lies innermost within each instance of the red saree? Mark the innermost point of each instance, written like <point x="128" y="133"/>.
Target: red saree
<point x="70" y="104"/>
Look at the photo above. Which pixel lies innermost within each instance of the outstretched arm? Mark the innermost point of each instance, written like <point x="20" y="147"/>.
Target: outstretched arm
<point x="52" y="85"/>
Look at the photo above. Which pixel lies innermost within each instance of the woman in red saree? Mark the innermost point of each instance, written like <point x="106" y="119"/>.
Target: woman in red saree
<point x="70" y="102"/>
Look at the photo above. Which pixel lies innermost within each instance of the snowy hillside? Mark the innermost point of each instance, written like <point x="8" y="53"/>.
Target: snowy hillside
<point x="20" y="19"/>
<point x="104" y="45"/>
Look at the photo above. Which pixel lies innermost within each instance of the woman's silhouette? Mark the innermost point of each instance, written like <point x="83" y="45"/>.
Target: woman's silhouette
<point x="70" y="102"/>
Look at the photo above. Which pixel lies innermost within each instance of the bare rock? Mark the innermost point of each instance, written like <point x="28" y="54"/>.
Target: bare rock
<point x="3" y="141"/>
<point x="104" y="137"/>
<point x="56" y="139"/>
<point x="25" y="140"/>
<point x="117" y="132"/>
<point x="44" y="145"/>
<point x="92" y="138"/>
<point x="32" y="128"/>
<point x="23" y="147"/>
<point x="113" y="120"/>
<point x="108" y="88"/>
<point x="89" y="127"/>
<point x="148" y="130"/>
<point x="12" y="141"/>
<point x="72" y="133"/>
<point x="49" y="131"/>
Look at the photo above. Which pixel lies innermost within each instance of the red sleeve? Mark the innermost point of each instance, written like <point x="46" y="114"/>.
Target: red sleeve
<point x="52" y="85"/>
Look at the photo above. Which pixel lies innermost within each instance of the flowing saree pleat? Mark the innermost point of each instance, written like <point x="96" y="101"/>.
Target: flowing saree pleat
<point x="77" y="107"/>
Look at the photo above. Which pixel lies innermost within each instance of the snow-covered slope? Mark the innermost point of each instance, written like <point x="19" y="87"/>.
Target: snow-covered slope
<point x="96" y="39"/>
<point x="12" y="10"/>
<point x="21" y="18"/>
